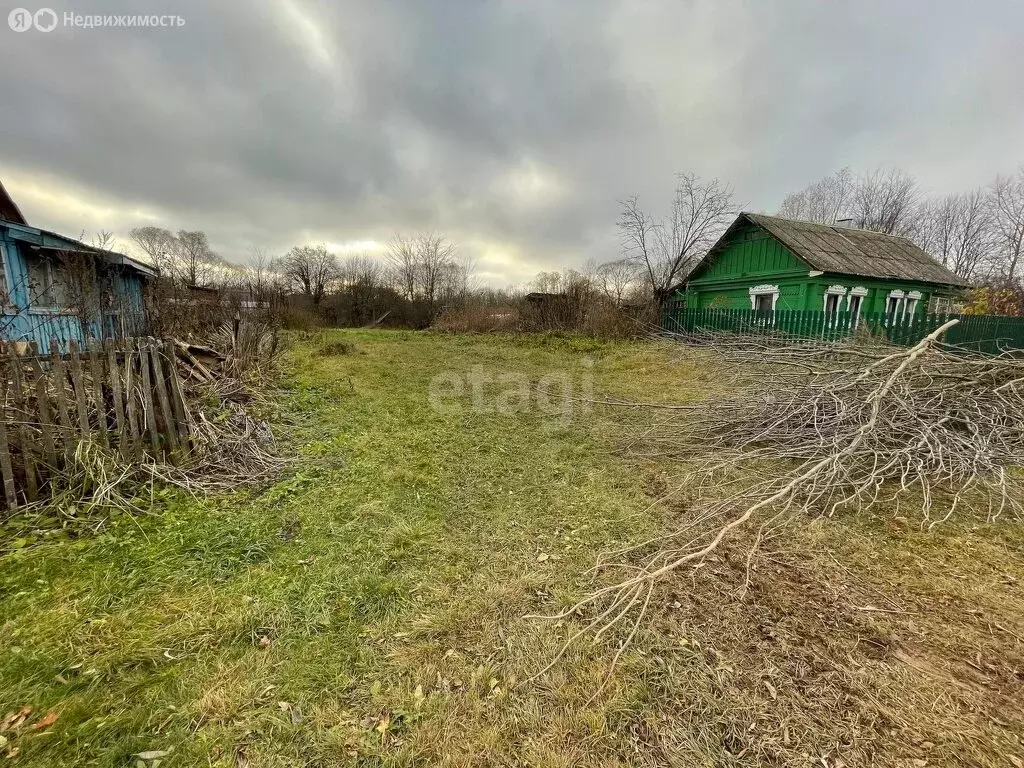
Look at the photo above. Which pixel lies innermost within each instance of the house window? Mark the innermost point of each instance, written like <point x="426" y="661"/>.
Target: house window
<point x="833" y="299"/>
<point x="894" y="304"/>
<point x="855" y="302"/>
<point x="763" y="298"/>
<point x="941" y="305"/>
<point x="47" y="283"/>
<point x="5" y="298"/>
<point x="912" y="299"/>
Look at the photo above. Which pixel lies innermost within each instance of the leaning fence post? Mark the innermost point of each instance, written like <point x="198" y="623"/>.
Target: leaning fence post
<point x="67" y="430"/>
<point x="78" y="383"/>
<point x="43" y="408"/>
<point x="177" y="396"/>
<point x="96" y="371"/>
<point x="147" y="394"/>
<point x="160" y="384"/>
<point x="24" y="430"/>
<point x="6" y="470"/>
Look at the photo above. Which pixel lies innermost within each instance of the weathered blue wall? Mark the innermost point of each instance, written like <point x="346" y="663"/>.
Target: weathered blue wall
<point x="21" y="322"/>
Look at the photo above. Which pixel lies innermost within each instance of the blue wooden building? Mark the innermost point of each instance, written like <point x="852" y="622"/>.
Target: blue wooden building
<point x="52" y="286"/>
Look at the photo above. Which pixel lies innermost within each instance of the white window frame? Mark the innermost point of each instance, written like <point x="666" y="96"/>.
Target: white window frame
<point x="861" y="292"/>
<point x="901" y="299"/>
<point x="911" y="302"/>
<point x="763" y="290"/>
<point x="942" y="305"/>
<point x="834" y="290"/>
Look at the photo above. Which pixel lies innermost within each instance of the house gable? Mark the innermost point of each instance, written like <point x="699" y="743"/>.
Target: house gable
<point x="747" y="251"/>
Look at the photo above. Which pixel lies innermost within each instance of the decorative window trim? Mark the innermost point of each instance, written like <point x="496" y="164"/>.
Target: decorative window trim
<point x="911" y="302"/>
<point x="860" y="292"/>
<point x="834" y="290"/>
<point x="901" y="303"/>
<point x="763" y="290"/>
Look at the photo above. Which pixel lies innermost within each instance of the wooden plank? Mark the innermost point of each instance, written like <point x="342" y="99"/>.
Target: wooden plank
<point x="78" y="384"/>
<point x="46" y="425"/>
<point x="131" y="390"/>
<point x="147" y="394"/>
<point x="177" y="394"/>
<point x="24" y="433"/>
<point x="96" y="373"/>
<point x="6" y="471"/>
<point x="114" y="376"/>
<point x="59" y="375"/>
<point x="160" y="385"/>
<point x="6" y="468"/>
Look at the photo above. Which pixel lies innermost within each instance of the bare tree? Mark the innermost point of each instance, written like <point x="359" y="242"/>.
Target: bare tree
<point x="311" y="268"/>
<point x="666" y="250"/>
<point x="825" y="201"/>
<point x="423" y="266"/>
<point x="616" y="279"/>
<point x="886" y="202"/>
<point x="957" y="229"/>
<point x="194" y="262"/>
<point x="157" y="244"/>
<point x="1006" y="203"/>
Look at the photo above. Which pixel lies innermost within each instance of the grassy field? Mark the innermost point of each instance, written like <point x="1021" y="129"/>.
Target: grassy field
<point x="367" y="609"/>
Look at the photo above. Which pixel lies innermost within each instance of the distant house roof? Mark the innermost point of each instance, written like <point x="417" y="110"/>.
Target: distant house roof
<point x="846" y="250"/>
<point x="9" y="210"/>
<point x="537" y="296"/>
<point x="41" y="238"/>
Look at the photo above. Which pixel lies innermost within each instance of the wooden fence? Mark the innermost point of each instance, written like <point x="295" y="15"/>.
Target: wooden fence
<point x="988" y="334"/>
<point x="124" y="394"/>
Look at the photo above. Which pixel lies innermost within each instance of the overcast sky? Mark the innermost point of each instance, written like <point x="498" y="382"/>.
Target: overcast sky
<point x="513" y="127"/>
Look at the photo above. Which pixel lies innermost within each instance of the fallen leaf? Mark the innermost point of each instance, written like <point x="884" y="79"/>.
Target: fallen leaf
<point x="46" y="722"/>
<point x="542" y="557"/>
<point x="771" y="690"/>
<point x="14" y="720"/>
<point x="296" y="715"/>
<point x="153" y="754"/>
<point x="265" y="641"/>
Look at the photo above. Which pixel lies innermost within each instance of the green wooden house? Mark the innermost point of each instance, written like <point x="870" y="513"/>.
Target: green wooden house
<point x="767" y="263"/>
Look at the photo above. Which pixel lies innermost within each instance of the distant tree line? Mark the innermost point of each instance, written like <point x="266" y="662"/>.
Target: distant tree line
<point x="421" y="280"/>
<point x="418" y="277"/>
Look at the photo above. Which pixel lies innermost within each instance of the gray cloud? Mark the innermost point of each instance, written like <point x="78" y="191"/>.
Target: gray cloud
<point x="513" y="126"/>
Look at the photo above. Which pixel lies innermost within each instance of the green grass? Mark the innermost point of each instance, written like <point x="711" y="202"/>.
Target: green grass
<point x="403" y="542"/>
<point x="367" y="608"/>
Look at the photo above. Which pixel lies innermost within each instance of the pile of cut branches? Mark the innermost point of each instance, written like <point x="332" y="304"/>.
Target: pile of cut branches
<point x="227" y="396"/>
<point x="826" y="428"/>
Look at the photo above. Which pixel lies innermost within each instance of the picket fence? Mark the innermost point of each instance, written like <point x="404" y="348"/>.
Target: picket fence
<point x="988" y="334"/>
<point x="124" y="394"/>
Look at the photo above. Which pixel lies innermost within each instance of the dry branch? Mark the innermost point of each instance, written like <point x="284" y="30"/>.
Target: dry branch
<point x="826" y="428"/>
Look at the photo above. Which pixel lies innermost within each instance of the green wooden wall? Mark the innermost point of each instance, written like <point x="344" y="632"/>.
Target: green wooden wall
<point x="753" y="257"/>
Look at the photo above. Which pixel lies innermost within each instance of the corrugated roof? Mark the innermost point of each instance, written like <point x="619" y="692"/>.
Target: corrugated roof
<point x="846" y="250"/>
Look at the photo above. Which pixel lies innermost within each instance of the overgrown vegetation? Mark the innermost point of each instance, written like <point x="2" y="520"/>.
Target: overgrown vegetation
<point x="367" y="608"/>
